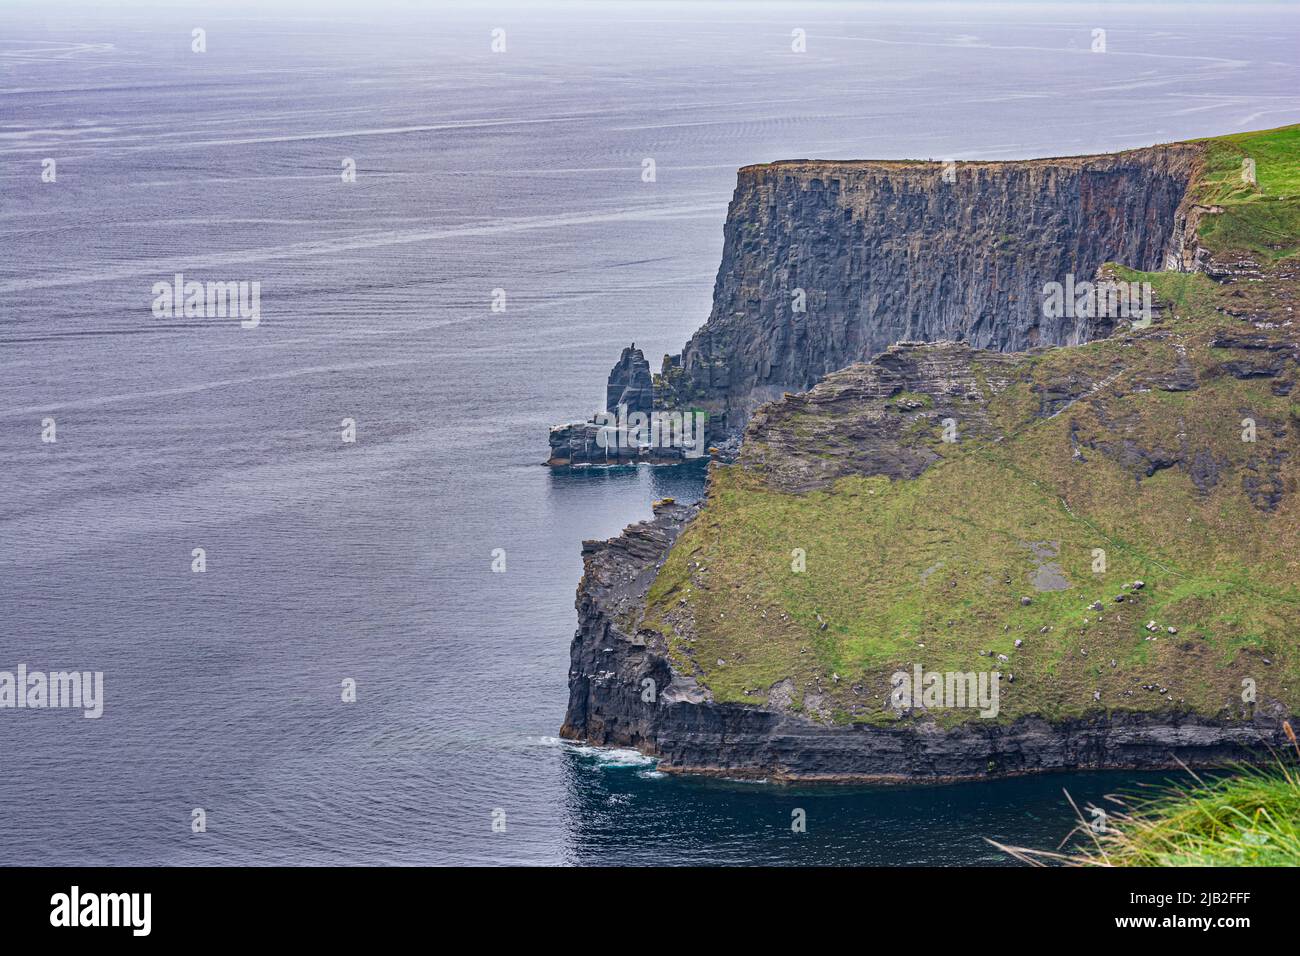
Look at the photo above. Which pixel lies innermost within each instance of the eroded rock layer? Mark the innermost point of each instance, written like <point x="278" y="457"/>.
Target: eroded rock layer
<point x="828" y="263"/>
<point x="926" y="482"/>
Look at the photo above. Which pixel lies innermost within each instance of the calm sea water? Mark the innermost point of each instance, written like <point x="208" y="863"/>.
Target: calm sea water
<point x="476" y="171"/>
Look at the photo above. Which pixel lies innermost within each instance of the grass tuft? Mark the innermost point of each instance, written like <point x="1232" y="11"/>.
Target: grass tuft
<point x="1251" y="818"/>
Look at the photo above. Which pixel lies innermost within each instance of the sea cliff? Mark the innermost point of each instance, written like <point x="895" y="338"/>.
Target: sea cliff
<point x="931" y="467"/>
<point x="828" y="263"/>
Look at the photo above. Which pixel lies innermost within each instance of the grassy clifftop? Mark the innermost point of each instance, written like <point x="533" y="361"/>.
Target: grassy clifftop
<point x="1115" y="526"/>
<point x="1261" y="219"/>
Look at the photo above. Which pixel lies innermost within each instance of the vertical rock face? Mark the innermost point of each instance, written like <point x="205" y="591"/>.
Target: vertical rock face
<point x="828" y="263"/>
<point x="630" y="383"/>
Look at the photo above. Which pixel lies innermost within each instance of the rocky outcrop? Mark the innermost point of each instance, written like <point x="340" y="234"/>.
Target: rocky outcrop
<point x="630" y="385"/>
<point x="623" y="692"/>
<point x="611" y="659"/>
<point x="828" y="263"/>
<point x="580" y="443"/>
<point x="867" y="420"/>
<point x="911" y="302"/>
<point x="854" y="420"/>
<point x="597" y="443"/>
<point x="630" y="430"/>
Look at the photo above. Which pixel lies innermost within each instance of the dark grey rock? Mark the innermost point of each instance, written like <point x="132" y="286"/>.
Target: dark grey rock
<point x="630" y="383"/>
<point x="887" y="252"/>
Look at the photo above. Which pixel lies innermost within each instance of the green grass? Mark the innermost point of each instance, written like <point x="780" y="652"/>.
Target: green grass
<point x="1193" y="294"/>
<point x="1274" y="152"/>
<point x="1260" y="219"/>
<point x="1251" y="818"/>
<point x="931" y="570"/>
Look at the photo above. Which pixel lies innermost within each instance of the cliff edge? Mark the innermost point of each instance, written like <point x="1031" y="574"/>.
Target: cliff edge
<point x="1102" y="535"/>
<point x="828" y="263"/>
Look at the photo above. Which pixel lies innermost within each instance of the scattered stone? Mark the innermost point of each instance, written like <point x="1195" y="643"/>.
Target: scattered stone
<point x="1094" y="606"/>
<point x="1096" y="695"/>
<point x="1172" y="630"/>
<point x="1025" y="602"/>
<point x="1119" y="599"/>
<point x="1019" y="642"/>
<point x="1139" y="585"/>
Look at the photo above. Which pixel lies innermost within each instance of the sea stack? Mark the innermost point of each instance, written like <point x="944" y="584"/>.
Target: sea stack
<point x="630" y="384"/>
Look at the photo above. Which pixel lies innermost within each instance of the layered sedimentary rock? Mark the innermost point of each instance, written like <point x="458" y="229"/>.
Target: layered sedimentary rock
<point x="952" y="493"/>
<point x="828" y="263"/>
<point x="856" y="418"/>
<point x="631" y="386"/>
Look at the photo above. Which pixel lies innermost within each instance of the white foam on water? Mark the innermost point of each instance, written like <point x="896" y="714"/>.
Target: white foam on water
<point x="614" y="757"/>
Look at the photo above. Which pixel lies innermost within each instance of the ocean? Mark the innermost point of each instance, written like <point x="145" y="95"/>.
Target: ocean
<point x="500" y="243"/>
